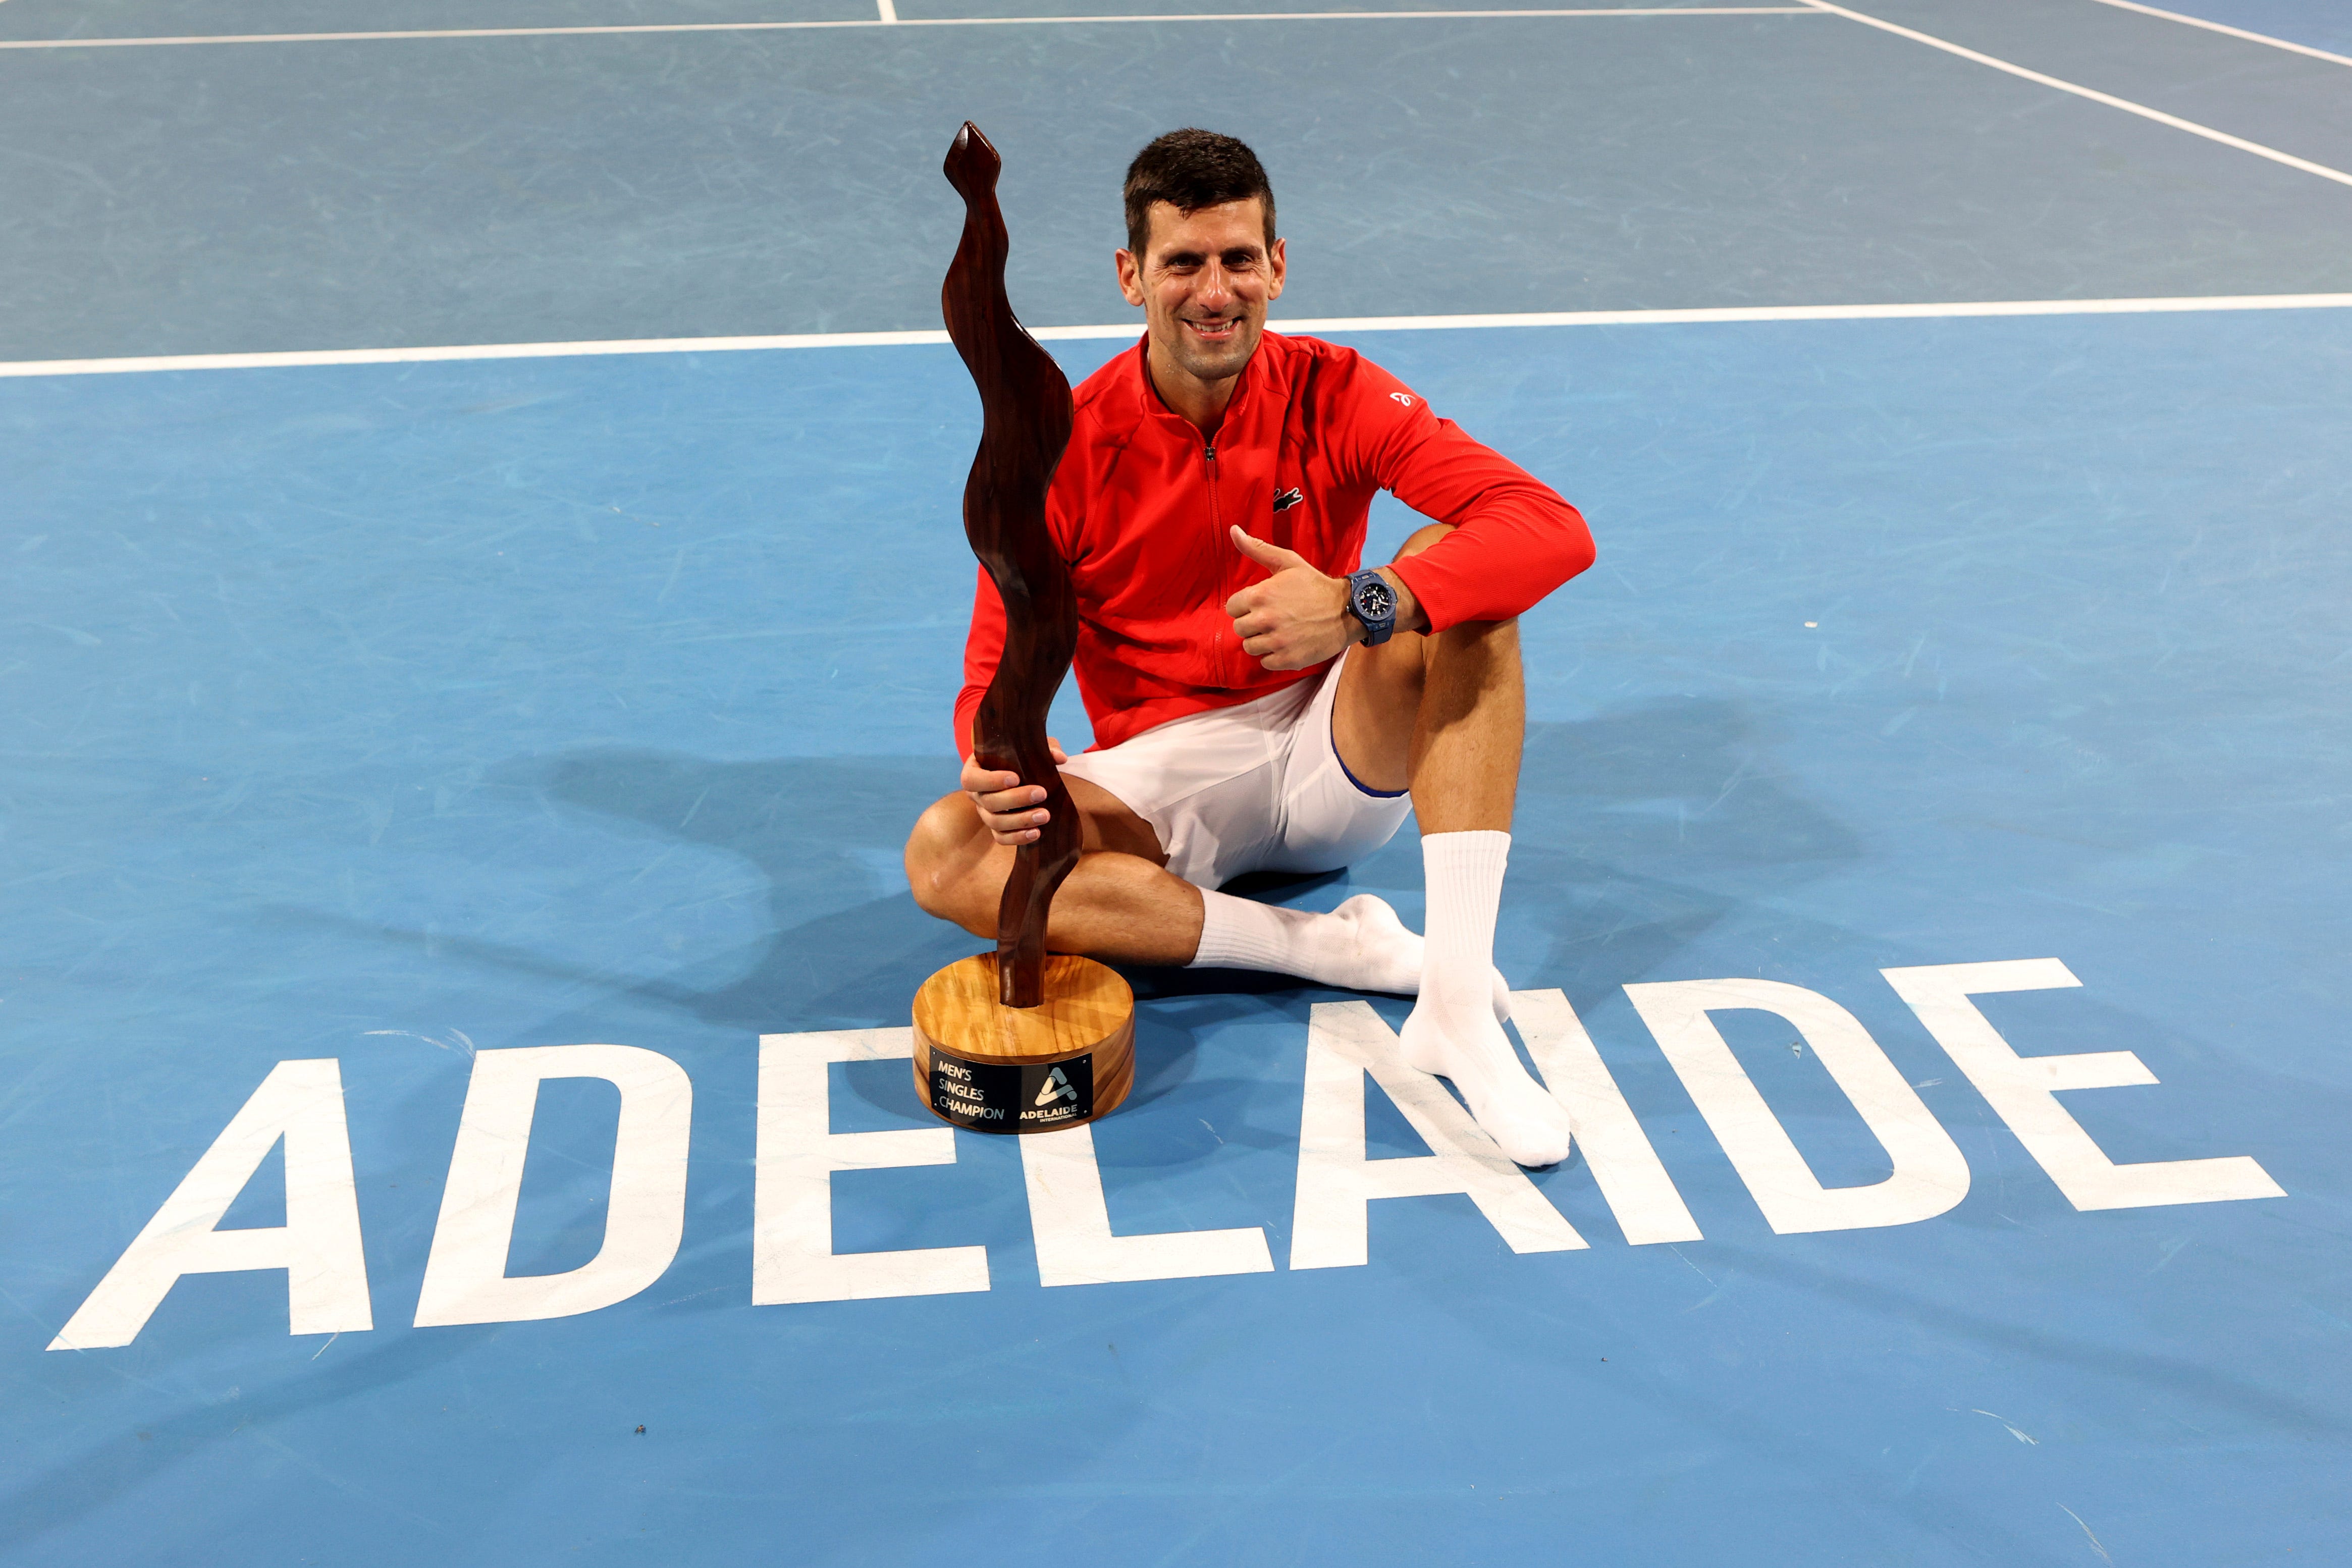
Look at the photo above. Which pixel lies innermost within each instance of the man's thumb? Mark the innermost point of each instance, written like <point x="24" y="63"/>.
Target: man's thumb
<point x="1274" y="558"/>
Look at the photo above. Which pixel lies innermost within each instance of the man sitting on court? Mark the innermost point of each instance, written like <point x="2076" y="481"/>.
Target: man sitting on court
<point x="1259" y="703"/>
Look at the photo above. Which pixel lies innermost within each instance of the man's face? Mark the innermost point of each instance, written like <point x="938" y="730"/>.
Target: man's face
<point x="1204" y="281"/>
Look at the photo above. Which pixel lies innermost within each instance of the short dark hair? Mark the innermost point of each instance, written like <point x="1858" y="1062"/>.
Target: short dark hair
<point x="1191" y="170"/>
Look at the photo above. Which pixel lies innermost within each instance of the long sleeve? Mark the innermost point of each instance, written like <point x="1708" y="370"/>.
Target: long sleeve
<point x="1515" y="538"/>
<point x="983" y="646"/>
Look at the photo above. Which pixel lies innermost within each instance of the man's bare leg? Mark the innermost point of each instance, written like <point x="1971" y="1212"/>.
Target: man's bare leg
<point x="1120" y="902"/>
<point x="1445" y="716"/>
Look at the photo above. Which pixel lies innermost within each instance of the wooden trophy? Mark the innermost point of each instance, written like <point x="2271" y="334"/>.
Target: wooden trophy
<point x="1018" y="1040"/>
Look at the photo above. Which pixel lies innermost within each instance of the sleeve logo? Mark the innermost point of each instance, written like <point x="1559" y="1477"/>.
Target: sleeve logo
<point x="1404" y="398"/>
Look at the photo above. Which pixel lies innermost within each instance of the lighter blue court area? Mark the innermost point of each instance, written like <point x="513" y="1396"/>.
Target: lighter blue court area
<point x="391" y="714"/>
<point x="379" y="718"/>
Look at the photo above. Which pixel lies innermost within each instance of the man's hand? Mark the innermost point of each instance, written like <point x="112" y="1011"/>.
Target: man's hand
<point x="1295" y="619"/>
<point x="1009" y="807"/>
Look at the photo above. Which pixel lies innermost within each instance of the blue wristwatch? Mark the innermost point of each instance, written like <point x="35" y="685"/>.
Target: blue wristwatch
<point x="1371" y="601"/>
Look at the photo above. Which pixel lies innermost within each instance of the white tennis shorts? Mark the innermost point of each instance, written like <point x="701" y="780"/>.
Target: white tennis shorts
<point x="1257" y="786"/>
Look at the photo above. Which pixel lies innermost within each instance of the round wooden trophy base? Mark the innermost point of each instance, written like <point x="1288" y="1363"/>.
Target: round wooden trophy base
<point x="994" y="1069"/>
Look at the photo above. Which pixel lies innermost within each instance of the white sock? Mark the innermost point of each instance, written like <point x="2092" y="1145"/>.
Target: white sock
<point x="1453" y="1032"/>
<point x="1359" y="947"/>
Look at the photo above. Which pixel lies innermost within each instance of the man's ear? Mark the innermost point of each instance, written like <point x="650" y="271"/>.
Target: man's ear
<point x="1130" y="275"/>
<point x="1277" y="265"/>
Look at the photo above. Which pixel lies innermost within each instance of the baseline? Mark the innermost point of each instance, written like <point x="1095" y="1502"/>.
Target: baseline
<point x="890" y="19"/>
<point x="287" y="359"/>
<point x="2093" y="94"/>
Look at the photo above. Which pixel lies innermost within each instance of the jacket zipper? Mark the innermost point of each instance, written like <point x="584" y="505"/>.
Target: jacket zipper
<point x="1226" y="661"/>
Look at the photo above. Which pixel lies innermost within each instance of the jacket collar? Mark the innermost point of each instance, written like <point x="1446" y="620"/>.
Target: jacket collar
<point x="1262" y="365"/>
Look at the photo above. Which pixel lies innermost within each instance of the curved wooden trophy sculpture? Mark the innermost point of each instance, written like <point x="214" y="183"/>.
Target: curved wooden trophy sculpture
<point x="1018" y="1040"/>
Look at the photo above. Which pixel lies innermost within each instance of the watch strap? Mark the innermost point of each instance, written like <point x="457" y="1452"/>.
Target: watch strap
<point x="1378" y="629"/>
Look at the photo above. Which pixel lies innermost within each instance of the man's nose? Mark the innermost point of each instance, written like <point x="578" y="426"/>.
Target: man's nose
<point x="1216" y="290"/>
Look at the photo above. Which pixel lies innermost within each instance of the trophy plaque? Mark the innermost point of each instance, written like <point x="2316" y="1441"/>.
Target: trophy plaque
<point x="1018" y="1040"/>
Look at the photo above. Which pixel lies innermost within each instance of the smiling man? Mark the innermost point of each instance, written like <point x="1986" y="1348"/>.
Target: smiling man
<point x="1261" y="703"/>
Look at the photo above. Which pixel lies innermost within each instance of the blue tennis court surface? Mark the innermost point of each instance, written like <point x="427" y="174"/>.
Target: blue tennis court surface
<point x="388" y="716"/>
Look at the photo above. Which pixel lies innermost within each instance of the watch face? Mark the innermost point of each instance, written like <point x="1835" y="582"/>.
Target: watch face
<point x="1374" y="601"/>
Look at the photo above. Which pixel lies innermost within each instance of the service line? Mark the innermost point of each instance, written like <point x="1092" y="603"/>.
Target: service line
<point x="889" y="17"/>
<point x="2170" y="304"/>
<point x="2232" y="31"/>
<point x="2109" y="98"/>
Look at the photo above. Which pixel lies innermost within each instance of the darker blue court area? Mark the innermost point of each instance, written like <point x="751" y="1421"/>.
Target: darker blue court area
<point x="524" y="189"/>
<point x="390" y="714"/>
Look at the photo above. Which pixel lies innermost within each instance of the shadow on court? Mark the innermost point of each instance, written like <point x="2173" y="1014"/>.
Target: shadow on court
<point x="1637" y="833"/>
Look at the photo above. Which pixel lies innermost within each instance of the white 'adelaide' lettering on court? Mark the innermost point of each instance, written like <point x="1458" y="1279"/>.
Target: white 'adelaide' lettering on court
<point x="300" y="1106"/>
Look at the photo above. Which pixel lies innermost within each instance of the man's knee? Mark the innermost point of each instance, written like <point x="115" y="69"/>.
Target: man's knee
<point x="1399" y="665"/>
<point x="946" y="846"/>
<point x="1485" y="638"/>
<point x="1421" y="538"/>
<point x="1490" y="638"/>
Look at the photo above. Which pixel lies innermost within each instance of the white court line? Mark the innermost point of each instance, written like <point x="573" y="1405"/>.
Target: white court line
<point x="2234" y="32"/>
<point x="889" y="17"/>
<point x="1126" y="329"/>
<point x="2127" y="105"/>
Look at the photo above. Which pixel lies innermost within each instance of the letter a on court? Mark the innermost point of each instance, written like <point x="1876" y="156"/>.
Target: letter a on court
<point x="319" y="1245"/>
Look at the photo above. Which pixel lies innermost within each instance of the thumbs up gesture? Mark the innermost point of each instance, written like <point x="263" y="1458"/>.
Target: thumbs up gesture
<point x="1295" y="618"/>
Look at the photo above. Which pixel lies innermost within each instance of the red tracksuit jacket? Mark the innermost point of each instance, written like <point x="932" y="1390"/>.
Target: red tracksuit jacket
<point x="1141" y="505"/>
